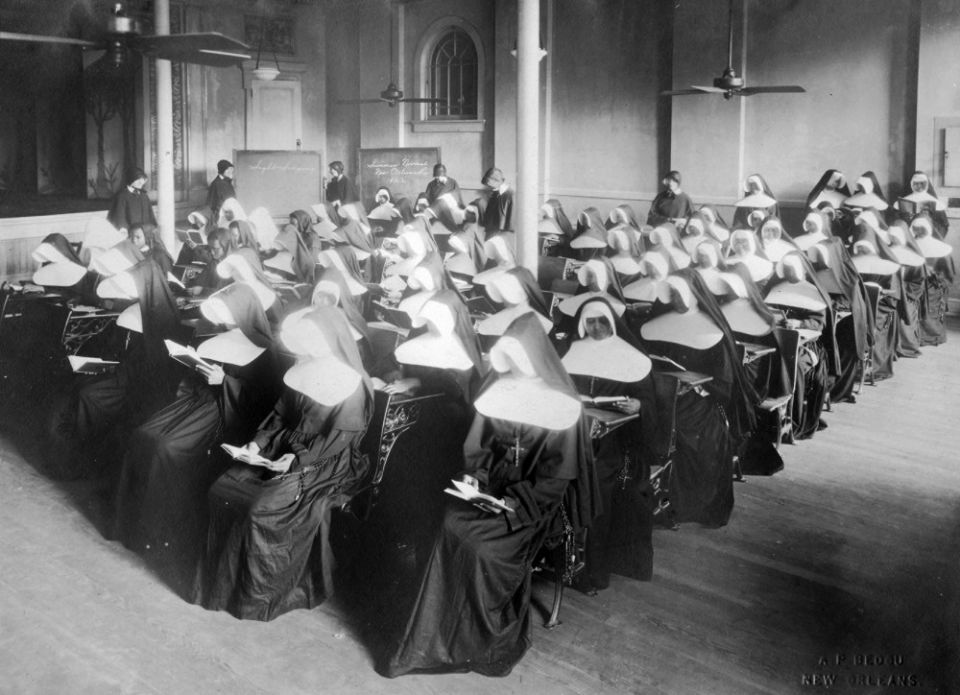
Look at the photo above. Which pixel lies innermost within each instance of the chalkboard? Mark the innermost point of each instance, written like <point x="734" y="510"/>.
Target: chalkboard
<point x="406" y="171"/>
<point x="281" y="181"/>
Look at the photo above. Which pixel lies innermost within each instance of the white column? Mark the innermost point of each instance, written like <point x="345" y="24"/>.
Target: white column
<point x="166" y="214"/>
<point x="528" y="131"/>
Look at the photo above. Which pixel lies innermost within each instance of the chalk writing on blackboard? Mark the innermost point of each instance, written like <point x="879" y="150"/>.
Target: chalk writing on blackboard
<point x="265" y="166"/>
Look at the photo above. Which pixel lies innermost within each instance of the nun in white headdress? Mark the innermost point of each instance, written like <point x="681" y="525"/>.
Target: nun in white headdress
<point x="173" y="458"/>
<point x="804" y="307"/>
<point x="268" y="549"/>
<point x="606" y="361"/>
<point x="528" y="450"/>
<point x="940" y="275"/>
<point x="922" y="197"/>
<point x="757" y="197"/>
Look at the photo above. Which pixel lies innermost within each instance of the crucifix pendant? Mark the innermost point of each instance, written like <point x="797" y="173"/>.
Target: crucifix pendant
<point x="518" y="451"/>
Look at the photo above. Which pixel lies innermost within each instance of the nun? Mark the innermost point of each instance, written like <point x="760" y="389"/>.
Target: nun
<point x="922" y="197"/>
<point x="883" y="274"/>
<point x="804" y="308"/>
<point x="940" y="275"/>
<point x="62" y="268"/>
<point x="687" y="328"/>
<point x="528" y="452"/>
<point x="160" y="500"/>
<point x="832" y="188"/>
<point x="605" y="360"/>
<point x="590" y="237"/>
<point x="518" y="293"/>
<point x="757" y="198"/>
<point x="837" y="274"/>
<point x="913" y="274"/>
<point x="744" y="251"/>
<point x="268" y="550"/>
<point x="87" y="430"/>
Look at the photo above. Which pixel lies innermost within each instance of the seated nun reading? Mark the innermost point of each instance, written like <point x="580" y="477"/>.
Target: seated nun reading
<point x="554" y="230"/>
<point x="501" y="256"/>
<point x="596" y="278"/>
<point x="606" y="362"/>
<point x="87" y="430"/>
<point x="688" y="328"/>
<point x="654" y="268"/>
<point x="716" y="227"/>
<point x="774" y="244"/>
<point x="757" y="198"/>
<point x="268" y="549"/>
<point x="624" y="243"/>
<point x="61" y="268"/>
<point x="590" y="239"/>
<point x="921" y="197"/>
<point x="867" y="194"/>
<point x="832" y="188"/>
<point x="914" y="275"/>
<point x="527" y="452"/>
<point x="837" y="274"/>
<point x="940" y="275"/>
<point x="744" y="251"/>
<point x="804" y="307"/>
<point x="518" y="293"/>
<point x="160" y="500"/>
<point x="444" y="355"/>
<point x="665" y="240"/>
<point x="884" y="274"/>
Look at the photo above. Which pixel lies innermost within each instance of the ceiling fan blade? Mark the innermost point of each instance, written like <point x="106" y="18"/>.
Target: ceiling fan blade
<point x="423" y="101"/>
<point x="209" y="48"/>
<point x="778" y="89"/>
<point x="361" y="101"/>
<point x="681" y="92"/>
<point x="709" y="90"/>
<point x="36" y="38"/>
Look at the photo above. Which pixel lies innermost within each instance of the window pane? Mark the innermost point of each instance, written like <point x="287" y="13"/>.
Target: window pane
<point x="453" y="77"/>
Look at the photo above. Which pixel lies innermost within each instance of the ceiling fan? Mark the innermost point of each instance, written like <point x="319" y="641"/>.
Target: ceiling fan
<point x="391" y="96"/>
<point x="122" y="33"/>
<point x="729" y="84"/>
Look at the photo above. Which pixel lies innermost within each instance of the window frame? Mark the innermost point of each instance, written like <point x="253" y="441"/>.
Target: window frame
<point x="428" y="43"/>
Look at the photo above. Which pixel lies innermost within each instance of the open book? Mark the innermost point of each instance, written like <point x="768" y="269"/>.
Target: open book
<point x="468" y="492"/>
<point x="194" y="235"/>
<point x="239" y="453"/>
<point x="188" y="356"/>
<point x="91" y="365"/>
<point x="602" y="401"/>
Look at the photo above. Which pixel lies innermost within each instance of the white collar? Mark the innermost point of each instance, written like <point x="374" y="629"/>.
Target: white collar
<point x="612" y="358"/>
<point x="529" y="402"/>
<point x="692" y="329"/>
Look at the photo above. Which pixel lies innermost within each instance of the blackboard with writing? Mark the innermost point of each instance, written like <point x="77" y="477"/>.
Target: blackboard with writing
<point x="406" y="171"/>
<point x="279" y="180"/>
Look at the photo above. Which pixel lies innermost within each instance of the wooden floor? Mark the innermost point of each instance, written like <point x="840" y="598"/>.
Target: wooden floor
<point x="849" y="555"/>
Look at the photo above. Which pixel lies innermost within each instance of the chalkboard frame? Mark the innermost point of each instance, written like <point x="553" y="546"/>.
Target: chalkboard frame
<point x="368" y="186"/>
<point x="254" y="202"/>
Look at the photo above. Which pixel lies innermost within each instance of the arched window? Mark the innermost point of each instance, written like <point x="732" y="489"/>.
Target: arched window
<point x="453" y="77"/>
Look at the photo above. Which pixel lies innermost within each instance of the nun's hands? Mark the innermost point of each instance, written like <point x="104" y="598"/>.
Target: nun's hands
<point x="215" y="376"/>
<point x="282" y="464"/>
<point x="631" y="406"/>
<point x="402" y="386"/>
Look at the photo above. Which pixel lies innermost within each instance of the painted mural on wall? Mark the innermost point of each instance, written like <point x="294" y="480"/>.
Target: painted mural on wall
<point x="109" y="105"/>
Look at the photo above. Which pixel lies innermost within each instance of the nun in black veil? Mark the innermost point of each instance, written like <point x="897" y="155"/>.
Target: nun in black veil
<point x="687" y="326"/>
<point x="606" y="360"/>
<point x="91" y="423"/>
<point x="268" y="549"/>
<point x="757" y="197"/>
<point x="160" y="500"/>
<point x="528" y="448"/>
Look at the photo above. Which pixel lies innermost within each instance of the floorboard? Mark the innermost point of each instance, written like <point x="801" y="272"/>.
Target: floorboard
<point x="850" y="554"/>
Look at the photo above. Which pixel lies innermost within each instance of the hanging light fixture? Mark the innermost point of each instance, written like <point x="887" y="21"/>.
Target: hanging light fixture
<point x="267" y="73"/>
